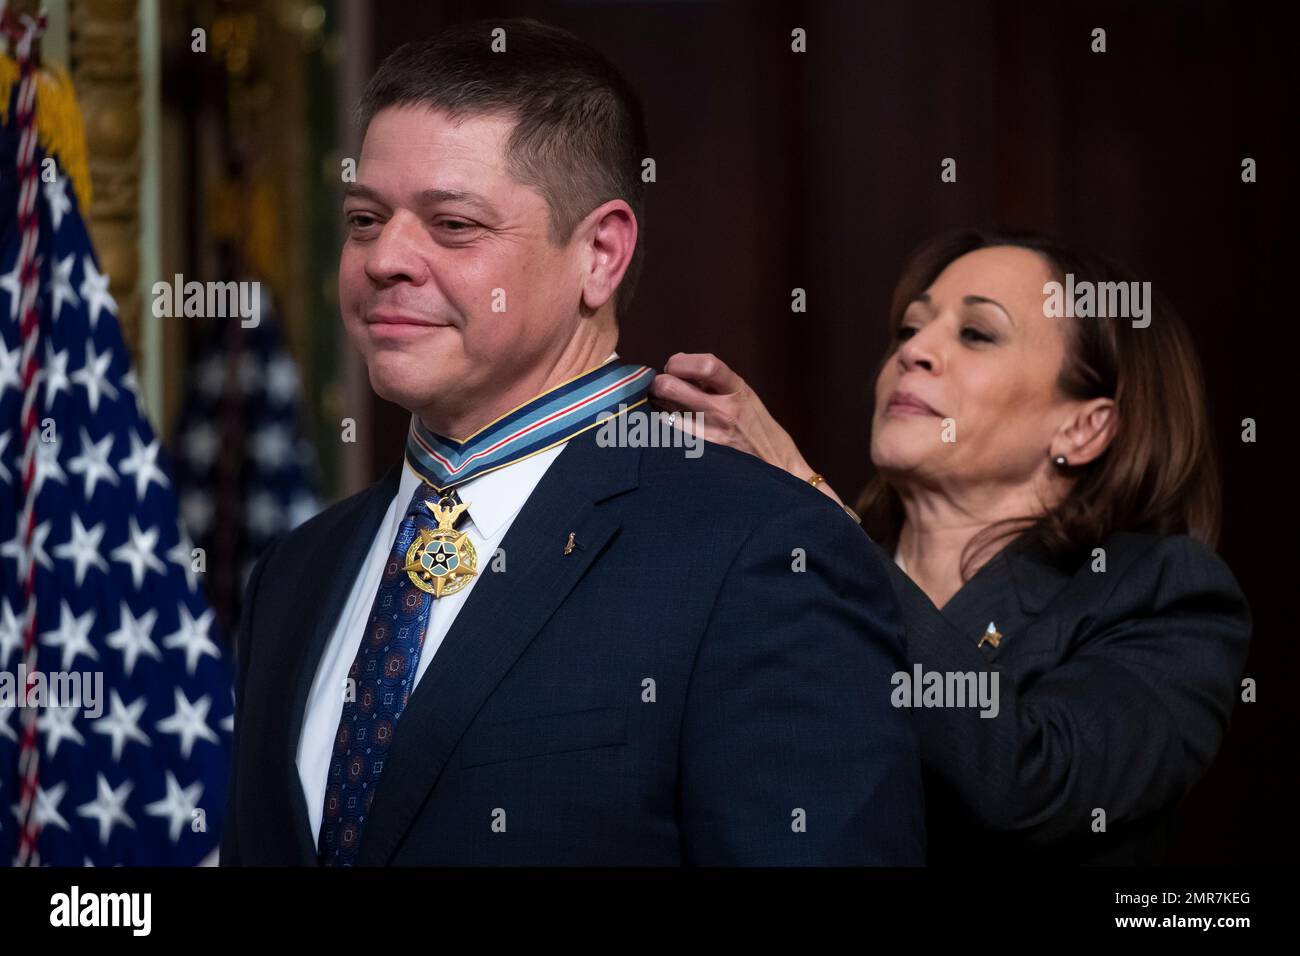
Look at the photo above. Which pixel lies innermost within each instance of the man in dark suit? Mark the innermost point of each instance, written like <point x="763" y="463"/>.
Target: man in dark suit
<point x="535" y="644"/>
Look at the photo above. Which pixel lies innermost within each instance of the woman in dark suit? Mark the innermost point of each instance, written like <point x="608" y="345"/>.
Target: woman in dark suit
<point x="1048" y="492"/>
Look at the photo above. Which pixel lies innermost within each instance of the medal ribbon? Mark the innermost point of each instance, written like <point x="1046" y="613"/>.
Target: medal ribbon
<point x="549" y="419"/>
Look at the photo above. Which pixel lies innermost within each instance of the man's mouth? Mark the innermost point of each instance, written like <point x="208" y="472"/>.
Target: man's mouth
<point x="402" y="318"/>
<point x="401" y="325"/>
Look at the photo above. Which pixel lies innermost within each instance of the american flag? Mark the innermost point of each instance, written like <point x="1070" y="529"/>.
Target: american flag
<point x="244" y="473"/>
<point x="116" y="590"/>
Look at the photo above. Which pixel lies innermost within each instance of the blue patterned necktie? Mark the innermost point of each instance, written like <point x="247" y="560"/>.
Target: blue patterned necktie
<point x="381" y="677"/>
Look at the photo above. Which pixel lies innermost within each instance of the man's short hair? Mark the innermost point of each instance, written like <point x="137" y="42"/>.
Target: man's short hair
<point x="579" y="135"/>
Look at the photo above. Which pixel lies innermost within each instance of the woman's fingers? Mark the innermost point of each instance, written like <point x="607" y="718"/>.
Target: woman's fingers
<point x="715" y="417"/>
<point x="682" y="394"/>
<point x="732" y="414"/>
<point x="706" y="370"/>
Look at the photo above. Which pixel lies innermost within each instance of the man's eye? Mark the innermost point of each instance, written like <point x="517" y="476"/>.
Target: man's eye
<point x="905" y="332"/>
<point x="457" y="225"/>
<point x="360" y="220"/>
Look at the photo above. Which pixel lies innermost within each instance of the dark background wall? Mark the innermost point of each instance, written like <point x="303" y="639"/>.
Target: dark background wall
<point x="821" y="171"/>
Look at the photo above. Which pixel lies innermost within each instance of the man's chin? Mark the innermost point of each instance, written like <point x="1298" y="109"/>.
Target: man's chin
<point x="410" y="388"/>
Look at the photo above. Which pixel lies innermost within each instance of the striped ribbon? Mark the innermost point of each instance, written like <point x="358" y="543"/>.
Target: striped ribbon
<point x="548" y="420"/>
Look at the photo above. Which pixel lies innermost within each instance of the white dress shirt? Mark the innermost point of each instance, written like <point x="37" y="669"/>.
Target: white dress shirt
<point x="493" y="500"/>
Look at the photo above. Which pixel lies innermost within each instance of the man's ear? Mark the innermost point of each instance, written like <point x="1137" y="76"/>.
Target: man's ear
<point x="1087" y="432"/>
<point x="608" y="237"/>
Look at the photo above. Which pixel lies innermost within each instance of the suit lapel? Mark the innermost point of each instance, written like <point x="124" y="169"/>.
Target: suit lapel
<point x="324" y="597"/>
<point x="1038" y="578"/>
<point x="1018" y="570"/>
<point x="984" y="599"/>
<point x="501" y="617"/>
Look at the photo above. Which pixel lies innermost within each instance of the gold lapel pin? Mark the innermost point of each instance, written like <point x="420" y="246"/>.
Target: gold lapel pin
<point x="568" y="545"/>
<point x="991" y="635"/>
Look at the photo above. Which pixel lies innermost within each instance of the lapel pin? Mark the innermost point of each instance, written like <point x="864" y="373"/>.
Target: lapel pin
<point x="991" y="635"/>
<point x="571" y="543"/>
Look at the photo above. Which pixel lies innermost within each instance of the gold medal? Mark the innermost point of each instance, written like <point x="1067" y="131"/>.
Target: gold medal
<point x="441" y="560"/>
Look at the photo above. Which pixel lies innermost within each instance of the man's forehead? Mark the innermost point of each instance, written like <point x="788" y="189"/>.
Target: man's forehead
<point x="414" y="127"/>
<point x="417" y="156"/>
<point x="428" y="156"/>
<point x="431" y="196"/>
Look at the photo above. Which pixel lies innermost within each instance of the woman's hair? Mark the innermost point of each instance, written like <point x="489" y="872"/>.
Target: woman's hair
<point x="1159" y="475"/>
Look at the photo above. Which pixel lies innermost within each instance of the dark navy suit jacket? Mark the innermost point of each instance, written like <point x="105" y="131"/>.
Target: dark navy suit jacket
<point x="673" y="691"/>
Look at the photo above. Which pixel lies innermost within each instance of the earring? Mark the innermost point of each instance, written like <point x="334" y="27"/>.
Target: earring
<point x="1061" y="462"/>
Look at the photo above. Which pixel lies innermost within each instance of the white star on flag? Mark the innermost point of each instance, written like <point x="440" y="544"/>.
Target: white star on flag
<point x="11" y="632"/>
<point x="47" y="465"/>
<point x="250" y="373"/>
<point x="63" y="292"/>
<point x="73" y="635"/>
<point x="94" y="288"/>
<point x="9" y="375"/>
<point x="92" y="377"/>
<point x="55" y="374"/>
<point x="56" y="196"/>
<point x="9" y="283"/>
<point x="271" y="445"/>
<point x="202" y="445"/>
<point x="133" y="637"/>
<point x="122" y="724"/>
<point x="46" y="809"/>
<point x="143" y="463"/>
<point x="93" y="462"/>
<point x="108" y="807"/>
<point x="210" y="375"/>
<point x="138" y="553"/>
<point x="197" y="509"/>
<point x="189" y="722"/>
<point x="193" y="637"/>
<point x="82" y="548"/>
<point x="281" y="380"/>
<point x="130" y="383"/>
<point x="59" y="723"/>
<point x="264" y="513"/>
<point x="178" y="806"/>
<point x="13" y="548"/>
<point x="182" y="555"/>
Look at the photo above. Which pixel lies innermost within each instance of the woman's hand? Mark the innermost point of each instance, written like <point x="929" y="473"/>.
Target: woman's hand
<point x="732" y="414"/>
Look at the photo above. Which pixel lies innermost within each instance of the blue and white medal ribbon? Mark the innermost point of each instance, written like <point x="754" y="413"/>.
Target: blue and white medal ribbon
<point x="548" y="420"/>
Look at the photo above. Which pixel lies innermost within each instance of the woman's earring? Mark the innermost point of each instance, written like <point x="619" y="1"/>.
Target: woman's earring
<point x="1061" y="462"/>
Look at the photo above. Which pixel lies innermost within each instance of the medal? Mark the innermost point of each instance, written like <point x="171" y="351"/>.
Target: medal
<point x="441" y="560"/>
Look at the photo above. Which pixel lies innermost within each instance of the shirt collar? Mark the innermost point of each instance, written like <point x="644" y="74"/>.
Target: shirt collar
<point x="496" y="497"/>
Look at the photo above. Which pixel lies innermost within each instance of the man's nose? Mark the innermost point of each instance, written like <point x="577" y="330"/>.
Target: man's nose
<point x="399" y="253"/>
